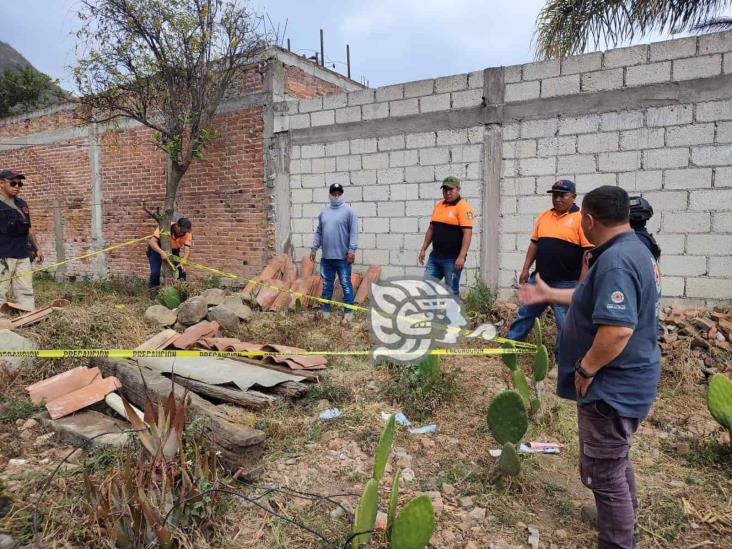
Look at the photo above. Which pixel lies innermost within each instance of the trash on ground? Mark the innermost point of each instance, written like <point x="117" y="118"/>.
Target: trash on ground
<point x="332" y="413"/>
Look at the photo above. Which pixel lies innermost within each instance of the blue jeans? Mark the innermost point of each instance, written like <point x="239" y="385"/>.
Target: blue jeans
<point x="156" y="262"/>
<point x="440" y="268"/>
<point x="524" y="321"/>
<point x="328" y="270"/>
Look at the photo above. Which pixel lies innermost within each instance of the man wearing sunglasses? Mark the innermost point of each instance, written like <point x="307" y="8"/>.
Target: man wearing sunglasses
<point x="17" y="242"/>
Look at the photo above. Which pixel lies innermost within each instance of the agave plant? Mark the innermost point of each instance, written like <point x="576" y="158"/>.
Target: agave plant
<point x="154" y="494"/>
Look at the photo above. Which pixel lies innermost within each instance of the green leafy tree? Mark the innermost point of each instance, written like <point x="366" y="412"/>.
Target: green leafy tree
<point x="166" y="64"/>
<point x="22" y="90"/>
<point x="569" y="27"/>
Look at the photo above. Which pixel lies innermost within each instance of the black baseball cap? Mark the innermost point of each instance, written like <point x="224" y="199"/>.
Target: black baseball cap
<point x="11" y="174"/>
<point x="563" y="186"/>
<point x="335" y="188"/>
<point x="184" y="225"/>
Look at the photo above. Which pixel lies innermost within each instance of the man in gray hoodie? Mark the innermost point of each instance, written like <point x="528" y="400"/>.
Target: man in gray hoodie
<point x="337" y="234"/>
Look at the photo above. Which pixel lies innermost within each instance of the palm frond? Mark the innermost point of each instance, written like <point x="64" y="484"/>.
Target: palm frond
<point x="568" y="27"/>
<point x="714" y="24"/>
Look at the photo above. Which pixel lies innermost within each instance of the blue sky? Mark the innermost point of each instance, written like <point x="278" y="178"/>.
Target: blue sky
<point x="391" y="41"/>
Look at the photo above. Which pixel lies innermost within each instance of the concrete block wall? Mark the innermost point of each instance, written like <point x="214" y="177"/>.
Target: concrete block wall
<point x="655" y="119"/>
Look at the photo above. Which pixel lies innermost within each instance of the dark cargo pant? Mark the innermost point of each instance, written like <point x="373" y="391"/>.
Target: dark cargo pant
<point x="606" y="469"/>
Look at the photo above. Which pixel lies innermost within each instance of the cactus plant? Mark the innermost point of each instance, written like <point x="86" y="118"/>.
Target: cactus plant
<point x="383" y="449"/>
<point x="719" y="400"/>
<point x="414" y="525"/>
<point x="393" y="501"/>
<point x="507" y="418"/>
<point x="509" y="359"/>
<point x="366" y="514"/>
<point x="537" y="333"/>
<point x="520" y="385"/>
<point x="509" y="463"/>
<point x="169" y="296"/>
<point x="541" y="363"/>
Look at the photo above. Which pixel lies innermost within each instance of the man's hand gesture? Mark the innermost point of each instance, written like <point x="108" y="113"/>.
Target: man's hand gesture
<point x="539" y="292"/>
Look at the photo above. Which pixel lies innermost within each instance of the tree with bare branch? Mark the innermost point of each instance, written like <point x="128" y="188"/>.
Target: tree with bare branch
<point x="166" y="64"/>
<point x="569" y="27"/>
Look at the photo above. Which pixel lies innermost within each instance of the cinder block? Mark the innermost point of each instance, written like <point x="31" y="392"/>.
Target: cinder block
<point x="684" y="265"/>
<point x="695" y="178"/>
<point x="511" y="260"/>
<point x="522" y="91"/>
<point x="576" y="163"/>
<point x="416" y="208"/>
<point x="642" y="138"/>
<point x="512" y="73"/>
<point x="669" y="116"/>
<point x="363" y="146"/>
<point x="404" y="191"/>
<point x="671" y="243"/>
<point x="722" y="222"/>
<point x="711" y="155"/>
<point x="727" y="63"/>
<point x="404" y="225"/>
<point x="335" y="101"/>
<point x="645" y="180"/>
<point x="446" y="170"/>
<point x="539" y="128"/>
<point x="622" y="120"/>
<point x="519" y="223"/>
<point x="390" y="93"/>
<point x="364" y="209"/>
<point x="374" y="225"/>
<point x="311" y="211"/>
<point x="511" y="131"/>
<point x="322" y="118"/>
<point x="518" y="186"/>
<point x="724" y="132"/>
<point x="597" y="142"/>
<point x="673" y="49"/>
<point x="553" y="146"/>
<point x="507" y="242"/>
<point x="452" y="137"/>
<point x="433" y="103"/>
<point x="579" y="124"/>
<point x="653" y="73"/>
<point x="452" y="83"/>
<point x="373" y="111"/>
<point x="475" y="79"/>
<point x="434" y="156"/>
<point x="348" y="114"/>
<point x="374" y="161"/>
<point x="295" y="182"/>
<point x="471" y="189"/>
<point x="667" y="201"/>
<point x="561" y="85"/>
<point x="509" y="168"/>
<point x="281" y="123"/>
<point x="300" y="166"/>
<point x="298" y="121"/>
<point x="398" y="159"/>
<point x="360" y="97"/>
<point x="542" y="69"/>
<point x="466" y="153"/>
<point x="693" y="134"/>
<point x="389" y="241"/>
<point x="389" y="176"/>
<point x="354" y="193"/>
<point x="716" y="200"/>
<point x="404" y="107"/>
<point x="391" y="142"/>
<point x="379" y="257"/>
<point x="309" y="105"/>
<point x="419" y="88"/>
<point x="313" y="151"/>
<point x="710" y="288"/>
<point x="325" y="165"/>
<point x="672" y="286"/>
<point x="723" y="177"/>
<point x="301" y="196"/>
<point x="602" y="80"/>
<point x="378" y="193"/>
<point x="625" y="57"/>
<point x="508" y="205"/>
<point x="295" y="151"/>
<point x="697" y="67"/>
<point x="666" y="158"/>
<point x="342" y="178"/>
<point x="537" y="166"/>
<point x="582" y="63"/>
<point x="419" y="174"/>
<point x="467" y="98"/>
<point x="419" y="140"/>
<point x="590" y="181"/>
<point x="367" y="240"/>
<point x="719" y="42"/>
<point x="720" y="267"/>
<point x="475" y="134"/>
<point x="348" y="163"/>
<point x="714" y="111"/>
<point x="390" y="209"/>
<point x="619" y="161"/>
<point x="533" y="204"/>
<point x="686" y="222"/>
<point x="305" y="225"/>
<point x="337" y="148"/>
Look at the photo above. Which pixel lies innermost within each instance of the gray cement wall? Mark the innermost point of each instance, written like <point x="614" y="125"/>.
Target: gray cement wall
<point x="655" y="119"/>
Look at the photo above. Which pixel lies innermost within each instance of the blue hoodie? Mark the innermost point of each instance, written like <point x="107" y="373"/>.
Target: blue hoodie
<point x="337" y="231"/>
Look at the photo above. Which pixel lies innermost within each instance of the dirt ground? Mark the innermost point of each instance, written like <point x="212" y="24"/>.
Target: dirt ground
<point x="683" y="461"/>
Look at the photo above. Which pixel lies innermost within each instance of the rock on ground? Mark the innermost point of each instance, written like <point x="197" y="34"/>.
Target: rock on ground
<point x="226" y="318"/>
<point x="192" y="310"/>
<point x="160" y="315"/>
<point x="10" y="341"/>
<point x="235" y="303"/>
<point x="213" y="296"/>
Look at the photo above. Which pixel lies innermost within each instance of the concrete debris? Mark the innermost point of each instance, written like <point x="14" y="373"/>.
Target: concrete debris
<point x="10" y="341"/>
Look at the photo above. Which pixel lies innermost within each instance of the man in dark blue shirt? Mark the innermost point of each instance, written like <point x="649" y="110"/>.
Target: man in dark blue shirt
<point x="609" y="361"/>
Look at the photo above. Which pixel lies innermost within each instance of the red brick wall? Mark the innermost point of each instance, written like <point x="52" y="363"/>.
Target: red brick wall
<point x="304" y="86"/>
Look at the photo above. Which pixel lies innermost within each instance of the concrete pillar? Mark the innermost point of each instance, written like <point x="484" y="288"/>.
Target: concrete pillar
<point x="97" y="232"/>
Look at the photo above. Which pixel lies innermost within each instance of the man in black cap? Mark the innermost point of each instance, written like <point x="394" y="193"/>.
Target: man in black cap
<point x="17" y="242"/>
<point x="181" y="240"/>
<point x="557" y="245"/>
<point x="337" y="234"/>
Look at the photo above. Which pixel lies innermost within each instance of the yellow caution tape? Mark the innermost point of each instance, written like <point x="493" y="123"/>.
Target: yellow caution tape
<point x="134" y="353"/>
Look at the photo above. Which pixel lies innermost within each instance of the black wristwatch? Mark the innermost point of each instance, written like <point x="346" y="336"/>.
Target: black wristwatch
<point x="581" y="371"/>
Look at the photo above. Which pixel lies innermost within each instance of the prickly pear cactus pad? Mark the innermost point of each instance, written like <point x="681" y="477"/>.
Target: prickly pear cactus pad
<point x="719" y="399"/>
<point x="541" y="363"/>
<point x="366" y="513"/>
<point x="507" y="417"/>
<point x="414" y="525"/>
<point x="521" y="385"/>
<point x="509" y="463"/>
<point x="509" y="359"/>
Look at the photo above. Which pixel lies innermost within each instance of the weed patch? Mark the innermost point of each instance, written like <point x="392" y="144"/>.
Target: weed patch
<point x="418" y="392"/>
